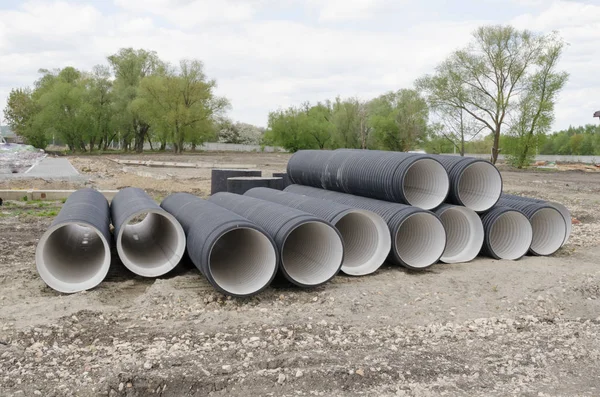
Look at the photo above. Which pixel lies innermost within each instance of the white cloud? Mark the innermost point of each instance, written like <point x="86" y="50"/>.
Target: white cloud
<point x="267" y="54"/>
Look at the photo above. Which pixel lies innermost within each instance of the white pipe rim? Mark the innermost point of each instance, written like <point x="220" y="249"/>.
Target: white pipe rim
<point x="420" y="240"/>
<point x="464" y="233"/>
<point x="549" y="231"/>
<point x="155" y="259"/>
<point x="244" y="270"/>
<point x="60" y="284"/>
<point x="511" y="235"/>
<point x="426" y="183"/>
<point x="366" y="255"/>
<point x="479" y="186"/>
<point x="312" y="253"/>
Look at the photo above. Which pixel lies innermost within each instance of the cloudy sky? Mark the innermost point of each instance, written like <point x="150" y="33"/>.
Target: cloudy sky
<point x="267" y="54"/>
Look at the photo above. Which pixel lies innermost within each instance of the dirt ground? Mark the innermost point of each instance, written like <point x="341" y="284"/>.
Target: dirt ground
<point x="485" y="328"/>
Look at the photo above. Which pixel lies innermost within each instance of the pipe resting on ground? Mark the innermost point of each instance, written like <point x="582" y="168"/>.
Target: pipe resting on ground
<point x="74" y="253"/>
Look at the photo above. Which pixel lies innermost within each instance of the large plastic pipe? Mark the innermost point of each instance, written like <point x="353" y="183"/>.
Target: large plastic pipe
<point x="219" y="176"/>
<point x="560" y="207"/>
<point x="418" y="236"/>
<point x="236" y="256"/>
<point x="367" y="241"/>
<point x="474" y="183"/>
<point x="547" y="223"/>
<point x="74" y="253"/>
<point x="311" y="250"/>
<point x="150" y="241"/>
<point x="508" y="233"/>
<point x="408" y="178"/>
<point x="241" y="184"/>
<point x="464" y="232"/>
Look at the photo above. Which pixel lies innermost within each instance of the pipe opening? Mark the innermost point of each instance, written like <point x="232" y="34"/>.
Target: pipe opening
<point x="151" y="243"/>
<point x="242" y="261"/>
<point x="367" y="242"/>
<point x="479" y="186"/>
<point x="73" y="257"/>
<point x="420" y="240"/>
<point x="464" y="233"/>
<point x="567" y="217"/>
<point x="312" y="253"/>
<point x="549" y="230"/>
<point x="426" y="184"/>
<point x="510" y="236"/>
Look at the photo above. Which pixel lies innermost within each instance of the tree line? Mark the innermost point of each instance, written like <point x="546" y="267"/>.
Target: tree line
<point x="136" y="98"/>
<point x="503" y="84"/>
<point x="497" y="94"/>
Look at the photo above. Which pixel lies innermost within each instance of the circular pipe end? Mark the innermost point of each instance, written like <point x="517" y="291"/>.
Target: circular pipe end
<point x="426" y="184"/>
<point x="72" y="257"/>
<point x="367" y="242"/>
<point x="511" y="235"/>
<point x="464" y="232"/>
<point x="420" y="240"/>
<point x="312" y="253"/>
<point x="567" y="217"/>
<point x="479" y="186"/>
<point x="242" y="261"/>
<point x="549" y="231"/>
<point x="153" y="246"/>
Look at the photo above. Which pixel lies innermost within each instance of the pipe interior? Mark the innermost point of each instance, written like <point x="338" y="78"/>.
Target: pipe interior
<point x="312" y="253"/>
<point x="511" y="235"/>
<point x="567" y="217"/>
<point x="151" y="246"/>
<point x="426" y="184"/>
<point x="479" y="186"/>
<point x="420" y="240"/>
<point x="367" y="242"/>
<point x="549" y="230"/>
<point x="73" y="257"/>
<point x="464" y="233"/>
<point x="243" y="261"/>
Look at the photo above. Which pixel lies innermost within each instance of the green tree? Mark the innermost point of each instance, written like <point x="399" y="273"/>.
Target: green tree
<point x="181" y="103"/>
<point x="20" y="113"/>
<point x="399" y="120"/>
<point x="130" y="67"/>
<point x="487" y="78"/>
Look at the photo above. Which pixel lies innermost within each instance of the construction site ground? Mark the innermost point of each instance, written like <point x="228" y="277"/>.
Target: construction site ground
<point x="484" y="328"/>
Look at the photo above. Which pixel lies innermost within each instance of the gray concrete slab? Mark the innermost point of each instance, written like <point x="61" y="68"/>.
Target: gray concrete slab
<point x="57" y="168"/>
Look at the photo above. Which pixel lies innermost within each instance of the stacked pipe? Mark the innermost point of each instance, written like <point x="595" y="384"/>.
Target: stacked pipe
<point x="236" y="256"/>
<point x="311" y="250"/>
<point x="418" y="236"/>
<point x="365" y="234"/>
<point x="349" y="210"/>
<point x="408" y="178"/>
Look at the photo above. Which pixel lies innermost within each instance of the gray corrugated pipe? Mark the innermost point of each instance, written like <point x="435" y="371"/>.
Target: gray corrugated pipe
<point x="74" y="253"/>
<point x="464" y="232"/>
<point x="311" y="250"/>
<point x="474" y="183"/>
<point x="560" y="207"/>
<point x="548" y="224"/>
<point x="150" y="242"/>
<point x="236" y="256"/>
<point x="409" y="178"/>
<point x="508" y="233"/>
<point x="418" y="236"/>
<point x="366" y="236"/>
<point x="240" y="185"/>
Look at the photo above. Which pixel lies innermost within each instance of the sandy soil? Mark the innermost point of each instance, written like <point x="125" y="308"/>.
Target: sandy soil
<point x="486" y="328"/>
